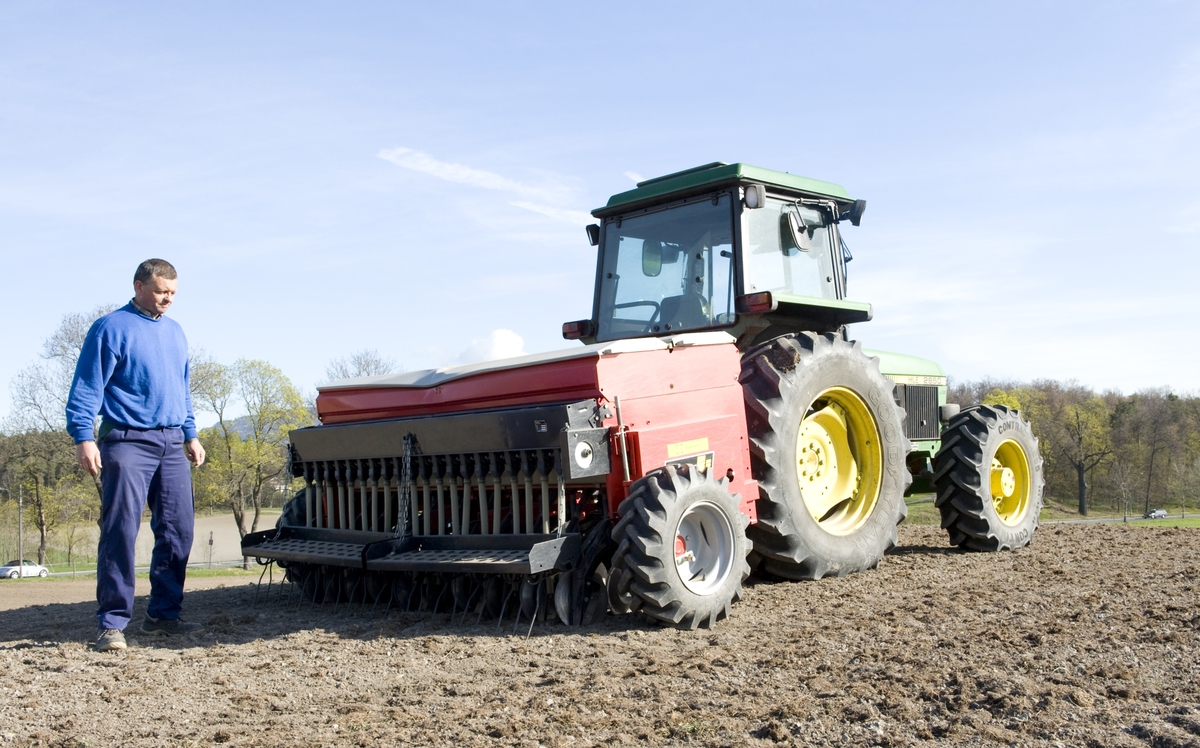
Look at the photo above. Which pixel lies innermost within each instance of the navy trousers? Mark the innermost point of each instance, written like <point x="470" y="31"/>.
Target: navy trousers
<point x="140" y="467"/>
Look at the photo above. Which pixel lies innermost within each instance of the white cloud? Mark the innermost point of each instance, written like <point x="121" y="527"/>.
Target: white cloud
<point x="577" y="217"/>
<point x="635" y="176"/>
<point x="407" y="158"/>
<point x="499" y="344"/>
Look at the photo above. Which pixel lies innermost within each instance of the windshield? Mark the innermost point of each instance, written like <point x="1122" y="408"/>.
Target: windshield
<point x="668" y="271"/>
<point x="777" y="260"/>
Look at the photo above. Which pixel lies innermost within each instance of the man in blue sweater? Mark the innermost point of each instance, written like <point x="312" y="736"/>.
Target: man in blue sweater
<point x="133" y="372"/>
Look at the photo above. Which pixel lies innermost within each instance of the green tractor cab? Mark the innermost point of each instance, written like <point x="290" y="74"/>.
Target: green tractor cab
<point x="754" y="252"/>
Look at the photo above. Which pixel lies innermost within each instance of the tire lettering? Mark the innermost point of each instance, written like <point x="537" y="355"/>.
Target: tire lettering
<point x="875" y="399"/>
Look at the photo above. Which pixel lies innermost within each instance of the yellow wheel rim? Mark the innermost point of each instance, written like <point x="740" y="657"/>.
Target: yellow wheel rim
<point x="839" y="461"/>
<point x="1010" y="482"/>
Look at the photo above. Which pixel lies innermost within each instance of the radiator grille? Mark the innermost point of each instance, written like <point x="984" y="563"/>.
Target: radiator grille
<point x="920" y="403"/>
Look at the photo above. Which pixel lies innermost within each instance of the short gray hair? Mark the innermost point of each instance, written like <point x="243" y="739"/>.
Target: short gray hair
<point x="154" y="267"/>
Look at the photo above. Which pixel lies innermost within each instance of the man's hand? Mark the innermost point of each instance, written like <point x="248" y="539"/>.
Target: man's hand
<point x="195" y="451"/>
<point x="88" y="457"/>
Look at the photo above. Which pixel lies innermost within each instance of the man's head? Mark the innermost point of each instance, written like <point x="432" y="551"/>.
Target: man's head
<point x="154" y="285"/>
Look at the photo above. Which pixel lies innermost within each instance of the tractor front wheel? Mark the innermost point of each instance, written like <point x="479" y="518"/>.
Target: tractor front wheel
<point x="989" y="479"/>
<point x="681" y="548"/>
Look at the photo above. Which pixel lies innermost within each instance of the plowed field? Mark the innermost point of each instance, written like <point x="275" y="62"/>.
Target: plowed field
<point x="1089" y="637"/>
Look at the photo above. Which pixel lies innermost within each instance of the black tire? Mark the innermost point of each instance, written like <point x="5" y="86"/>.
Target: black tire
<point x="783" y="380"/>
<point x="621" y="600"/>
<point x="43" y="573"/>
<point x="661" y="505"/>
<point x="975" y="516"/>
<point x="294" y="513"/>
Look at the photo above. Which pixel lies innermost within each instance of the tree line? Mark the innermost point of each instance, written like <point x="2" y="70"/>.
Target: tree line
<point x="1105" y="450"/>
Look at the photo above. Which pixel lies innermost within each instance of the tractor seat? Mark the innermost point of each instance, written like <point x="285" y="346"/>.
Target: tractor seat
<point x="684" y="312"/>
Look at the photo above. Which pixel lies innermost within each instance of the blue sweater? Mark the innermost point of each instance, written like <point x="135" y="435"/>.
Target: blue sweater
<point x="133" y="370"/>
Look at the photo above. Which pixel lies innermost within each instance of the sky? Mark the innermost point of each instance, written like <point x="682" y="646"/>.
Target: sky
<point x="415" y="177"/>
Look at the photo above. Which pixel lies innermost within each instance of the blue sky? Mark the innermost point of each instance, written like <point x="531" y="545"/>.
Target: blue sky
<point x="415" y="178"/>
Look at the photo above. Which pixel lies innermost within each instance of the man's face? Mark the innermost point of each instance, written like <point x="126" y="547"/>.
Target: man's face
<point x="156" y="294"/>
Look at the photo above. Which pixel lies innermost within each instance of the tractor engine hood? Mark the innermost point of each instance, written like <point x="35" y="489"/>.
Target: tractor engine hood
<point x="555" y="377"/>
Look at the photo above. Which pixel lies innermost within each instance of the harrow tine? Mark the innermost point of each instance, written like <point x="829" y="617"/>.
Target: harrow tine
<point x="350" y="596"/>
<point x="504" y="607"/>
<point x="482" y="609"/>
<point x="300" y="585"/>
<point x="470" y="599"/>
<point x="376" y="601"/>
<point x="258" y="586"/>
<point x="453" y="602"/>
<point x="437" y="603"/>
<point x="537" y="608"/>
<point x="291" y="585"/>
<point x="391" y="596"/>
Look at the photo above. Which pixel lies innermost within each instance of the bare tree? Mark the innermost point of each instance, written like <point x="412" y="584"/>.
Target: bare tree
<point x="40" y="390"/>
<point x="1155" y="430"/>
<point x="43" y="453"/>
<point x="365" y="363"/>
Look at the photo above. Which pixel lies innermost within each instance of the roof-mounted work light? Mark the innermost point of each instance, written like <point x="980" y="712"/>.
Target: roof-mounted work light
<point x="755" y="196"/>
<point x="854" y="212"/>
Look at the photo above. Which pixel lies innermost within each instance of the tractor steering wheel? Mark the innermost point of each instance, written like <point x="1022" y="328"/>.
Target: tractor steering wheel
<point x="647" y="302"/>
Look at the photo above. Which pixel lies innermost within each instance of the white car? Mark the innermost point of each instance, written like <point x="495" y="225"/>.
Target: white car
<point x="12" y="570"/>
<point x="1155" y="514"/>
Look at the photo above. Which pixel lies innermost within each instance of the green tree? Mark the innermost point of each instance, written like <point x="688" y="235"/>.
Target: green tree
<point x="37" y="461"/>
<point x="1074" y="425"/>
<point x="1087" y="440"/>
<point x="256" y="406"/>
<point x="1007" y="398"/>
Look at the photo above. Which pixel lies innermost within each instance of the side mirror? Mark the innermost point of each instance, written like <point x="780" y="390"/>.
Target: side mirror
<point x="577" y="329"/>
<point x="652" y="259"/>
<point x="798" y="231"/>
<point x="593" y="232"/>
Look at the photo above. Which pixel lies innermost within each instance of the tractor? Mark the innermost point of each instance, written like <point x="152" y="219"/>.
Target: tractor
<point x="717" y="420"/>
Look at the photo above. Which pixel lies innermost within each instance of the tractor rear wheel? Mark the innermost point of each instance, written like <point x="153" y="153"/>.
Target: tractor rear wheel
<point x="682" y="544"/>
<point x="294" y="512"/>
<point x="828" y="450"/>
<point x="989" y="479"/>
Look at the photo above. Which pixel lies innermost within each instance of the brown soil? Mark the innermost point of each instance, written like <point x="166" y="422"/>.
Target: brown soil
<point x="1088" y="638"/>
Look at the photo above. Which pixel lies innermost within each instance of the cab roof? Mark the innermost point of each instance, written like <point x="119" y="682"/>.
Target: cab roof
<point x="714" y="175"/>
